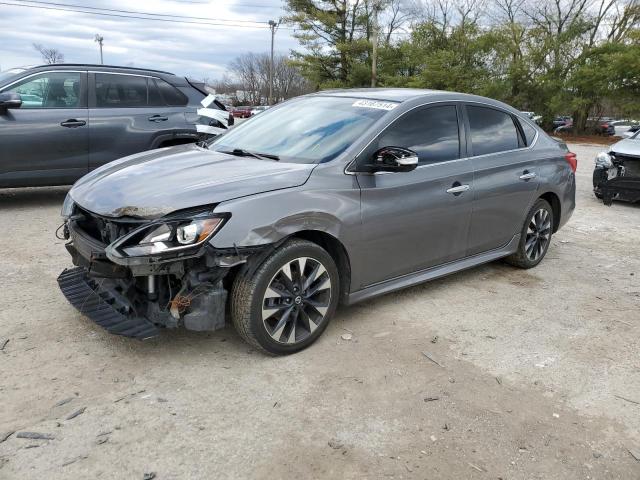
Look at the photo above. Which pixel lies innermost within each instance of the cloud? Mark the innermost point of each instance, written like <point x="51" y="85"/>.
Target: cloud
<point x="187" y="49"/>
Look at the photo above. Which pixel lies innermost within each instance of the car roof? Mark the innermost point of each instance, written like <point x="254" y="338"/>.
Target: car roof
<point x="411" y="94"/>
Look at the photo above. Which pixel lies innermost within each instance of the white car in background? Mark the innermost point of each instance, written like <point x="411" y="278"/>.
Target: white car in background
<point x="625" y="128"/>
<point x="258" y="109"/>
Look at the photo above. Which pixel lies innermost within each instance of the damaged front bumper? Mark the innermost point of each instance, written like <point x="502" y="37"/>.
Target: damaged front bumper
<point x="617" y="178"/>
<point x="135" y="298"/>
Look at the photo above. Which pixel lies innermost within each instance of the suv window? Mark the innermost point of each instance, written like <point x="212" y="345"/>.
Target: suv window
<point x="121" y="91"/>
<point x="492" y="130"/>
<point x="172" y="96"/>
<point x="49" y="90"/>
<point x="431" y="132"/>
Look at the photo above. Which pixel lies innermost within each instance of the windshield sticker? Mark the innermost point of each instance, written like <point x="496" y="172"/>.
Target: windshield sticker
<point x="374" y="104"/>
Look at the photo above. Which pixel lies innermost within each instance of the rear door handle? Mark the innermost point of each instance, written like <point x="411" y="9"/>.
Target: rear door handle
<point x="457" y="188"/>
<point x="73" y="123"/>
<point x="158" y="118"/>
<point x="526" y="175"/>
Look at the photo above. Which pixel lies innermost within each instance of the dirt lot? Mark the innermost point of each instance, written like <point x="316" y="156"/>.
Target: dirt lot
<point x="538" y="375"/>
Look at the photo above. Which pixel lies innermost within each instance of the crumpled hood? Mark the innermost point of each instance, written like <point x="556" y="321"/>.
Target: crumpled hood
<point x="154" y="183"/>
<point x="627" y="146"/>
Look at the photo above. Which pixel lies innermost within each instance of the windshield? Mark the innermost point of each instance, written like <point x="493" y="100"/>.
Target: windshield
<point x="308" y="130"/>
<point x="10" y="73"/>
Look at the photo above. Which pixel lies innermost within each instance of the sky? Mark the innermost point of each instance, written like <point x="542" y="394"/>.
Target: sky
<point x="189" y="49"/>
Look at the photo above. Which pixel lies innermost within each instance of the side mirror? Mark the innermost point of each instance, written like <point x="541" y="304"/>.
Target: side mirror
<point x="394" y="159"/>
<point x="10" y="100"/>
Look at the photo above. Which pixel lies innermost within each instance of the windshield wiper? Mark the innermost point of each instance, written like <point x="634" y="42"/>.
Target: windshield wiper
<point x="240" y="152"/>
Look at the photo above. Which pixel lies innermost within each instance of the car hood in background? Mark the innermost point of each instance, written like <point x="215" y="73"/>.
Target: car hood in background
<point x="154" y="183"/>
<point x="627" y="146"/>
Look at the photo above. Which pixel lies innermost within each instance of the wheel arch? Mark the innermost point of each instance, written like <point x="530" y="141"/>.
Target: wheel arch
<point x="553" y="200"/>
<point x="338" y="252"/>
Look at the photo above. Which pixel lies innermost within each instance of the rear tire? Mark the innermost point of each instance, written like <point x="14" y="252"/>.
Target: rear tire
<point x="288" y="302"/>
<point x="535" y="236"/>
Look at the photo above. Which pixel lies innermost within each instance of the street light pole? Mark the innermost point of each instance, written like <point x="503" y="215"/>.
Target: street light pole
<point x="273" y="26"/>
<point x="99" y="38"/>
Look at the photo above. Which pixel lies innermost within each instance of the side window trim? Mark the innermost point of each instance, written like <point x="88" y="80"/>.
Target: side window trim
<point x="426" y="106"/>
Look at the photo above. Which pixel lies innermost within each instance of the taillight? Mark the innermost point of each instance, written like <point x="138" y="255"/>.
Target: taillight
<point x="572" y="160"/>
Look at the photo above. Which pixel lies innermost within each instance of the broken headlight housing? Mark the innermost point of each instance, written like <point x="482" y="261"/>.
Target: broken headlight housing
<point x="603" y="160"/>
<point x="166" y="239"/>
<point x="67" y="207"/>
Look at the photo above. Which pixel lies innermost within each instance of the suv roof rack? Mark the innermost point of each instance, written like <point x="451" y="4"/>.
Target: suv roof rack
<point x="95" y="65"/>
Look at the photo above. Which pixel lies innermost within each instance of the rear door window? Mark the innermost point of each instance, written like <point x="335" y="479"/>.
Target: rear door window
<point x="49" y="90"/>
<point x="492" y="131"/>
<point x="121" y="91"/>
<point x="431" y="132"/>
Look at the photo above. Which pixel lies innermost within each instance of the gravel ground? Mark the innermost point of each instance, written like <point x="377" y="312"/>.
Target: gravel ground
<point x="533" y="374"/>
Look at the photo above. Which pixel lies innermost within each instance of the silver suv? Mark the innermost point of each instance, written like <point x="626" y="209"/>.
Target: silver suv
<point x="333" y="197"/>
<point x="58" y="122"/>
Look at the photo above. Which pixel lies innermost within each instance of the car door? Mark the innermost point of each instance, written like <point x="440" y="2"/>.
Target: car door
<point x="415" y="220"/>
<point x="505" y="176"/>
<point x="46" y="140"/>
<point x="129" y="114"/>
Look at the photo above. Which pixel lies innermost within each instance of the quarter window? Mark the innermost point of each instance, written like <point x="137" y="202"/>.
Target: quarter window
<point x="431" y="132"/>
<point x="492" y="130"/>
<point x="49" y="90"/>
<point x="529" y="132"/>
<point x="172" y="96"/>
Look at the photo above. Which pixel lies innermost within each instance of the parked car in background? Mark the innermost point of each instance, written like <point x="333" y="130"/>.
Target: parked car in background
<point x="533" y="116"/>
<point x="617" y="172"/>
<point x="624" y="126"/>
<point x="631" y="131"/>
<point x="59" y="122"/>
<point x="277" y="221"/>
<point x="242" y="112"/>
<point x="259" y="109"/>
<point x="593" y="127"/>
<point x="562" y="120"/>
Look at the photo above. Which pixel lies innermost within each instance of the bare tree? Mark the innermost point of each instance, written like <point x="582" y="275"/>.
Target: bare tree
<point x="49" y="55"/>
<point x="251" y="72"/>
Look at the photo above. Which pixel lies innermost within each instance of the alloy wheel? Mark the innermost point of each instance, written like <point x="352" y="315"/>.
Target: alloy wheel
<point x="538" y="234"/>
<point x="296" y="300"/>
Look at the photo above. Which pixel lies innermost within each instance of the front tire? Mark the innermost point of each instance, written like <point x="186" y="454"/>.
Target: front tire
<point x="288" y="302"/>
<point x="535" y="236"/>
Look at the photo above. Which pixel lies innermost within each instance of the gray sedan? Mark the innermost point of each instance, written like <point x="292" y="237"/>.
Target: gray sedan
<point x="333" y="197"/>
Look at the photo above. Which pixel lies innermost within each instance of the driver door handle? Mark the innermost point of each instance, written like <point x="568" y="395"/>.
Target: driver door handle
<point x="458" y="189"/>
<point x="526" y="175"/>
<point x="73" y="123"/>
<point x="158" y="118"/>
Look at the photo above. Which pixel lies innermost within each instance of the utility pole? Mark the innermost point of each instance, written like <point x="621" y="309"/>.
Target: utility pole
<point x="273" y="26"/>
<point x="374" y="49"/>
<point x="99" y="38"/>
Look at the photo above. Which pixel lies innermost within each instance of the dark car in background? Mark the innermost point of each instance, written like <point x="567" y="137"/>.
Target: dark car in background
<point x="58" y="122"/>
<point x="593" y="126"/>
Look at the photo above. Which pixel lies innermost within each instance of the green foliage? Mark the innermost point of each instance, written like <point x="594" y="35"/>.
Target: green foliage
<point x="567" y="60"/>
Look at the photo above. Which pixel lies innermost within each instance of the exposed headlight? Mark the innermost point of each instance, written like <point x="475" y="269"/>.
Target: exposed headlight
<point x="67" y="207"/>
<point x="172" y="238"/>
<point x="603" y="159"/>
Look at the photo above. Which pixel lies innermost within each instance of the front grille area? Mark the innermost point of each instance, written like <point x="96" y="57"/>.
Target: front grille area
<point x="103" y="229"/>
<point x="631" y="164"/>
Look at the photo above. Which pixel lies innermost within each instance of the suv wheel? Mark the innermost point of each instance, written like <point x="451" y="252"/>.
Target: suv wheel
<point x="535" y="237"/>
<point x="288" y="302"/>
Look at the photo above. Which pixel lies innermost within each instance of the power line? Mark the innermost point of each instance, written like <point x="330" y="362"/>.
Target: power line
<point x="104" y="14"/>
<point x="138" y="12"/>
